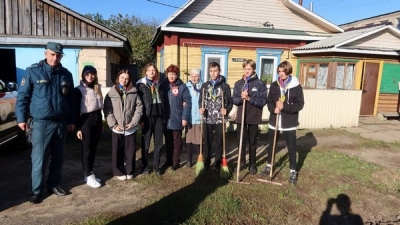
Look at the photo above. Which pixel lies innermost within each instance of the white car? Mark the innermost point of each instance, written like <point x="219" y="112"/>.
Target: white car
<point x="9" y="129"/>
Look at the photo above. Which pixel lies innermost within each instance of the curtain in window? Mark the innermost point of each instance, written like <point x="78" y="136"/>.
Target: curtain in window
<point x="322" y="76"/>
<point x="267" y="67"/>
<point x="349" y="77"/>
<point x="339" y="75"/>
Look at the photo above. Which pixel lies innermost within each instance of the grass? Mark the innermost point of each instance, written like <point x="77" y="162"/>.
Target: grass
<point x="183" y="198"/>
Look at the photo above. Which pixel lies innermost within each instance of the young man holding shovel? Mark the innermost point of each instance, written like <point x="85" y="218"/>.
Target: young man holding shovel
<point x="252" y="92"/>
<point x="285" y="100"/>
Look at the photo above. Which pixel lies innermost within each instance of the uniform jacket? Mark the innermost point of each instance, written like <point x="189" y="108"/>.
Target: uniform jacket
<point x="118" y="113"/>
<point x="195" y="117"/>
<point x="177" y="103"/>
<point x="145" y="95"/>
<point x="213" y="100"/>
<point x="258" y="99"/>
<point x="47" y="93"/>
<point x="294" y="102"/>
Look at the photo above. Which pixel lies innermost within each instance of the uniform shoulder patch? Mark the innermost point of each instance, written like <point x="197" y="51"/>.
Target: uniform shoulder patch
<point x="22" y="82"/>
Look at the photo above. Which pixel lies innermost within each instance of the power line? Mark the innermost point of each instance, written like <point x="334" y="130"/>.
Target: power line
<point x="208" y="14"/>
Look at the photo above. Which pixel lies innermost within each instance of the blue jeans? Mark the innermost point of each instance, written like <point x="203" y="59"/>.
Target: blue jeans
<point x="48" y="140"/>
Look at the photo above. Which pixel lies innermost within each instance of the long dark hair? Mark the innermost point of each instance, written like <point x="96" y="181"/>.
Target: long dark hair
<point x="130" y="86"/>
<point x="96" y="85"/>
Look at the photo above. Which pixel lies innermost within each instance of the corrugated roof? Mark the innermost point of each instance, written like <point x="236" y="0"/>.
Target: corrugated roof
<point x="337" y="39"/>
<point x="244" y="29"/>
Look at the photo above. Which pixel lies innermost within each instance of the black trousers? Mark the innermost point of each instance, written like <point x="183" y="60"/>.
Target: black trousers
<point x="123" y="154"/>
<point x="153" y="126"/>
<point x="173" y="144"/>
<point x="290" y="137"/>
<point x="210" y="131"/>
<point x="91" y="132"/>
<point x="191" y="149"/>
<point x="250" y="132"/>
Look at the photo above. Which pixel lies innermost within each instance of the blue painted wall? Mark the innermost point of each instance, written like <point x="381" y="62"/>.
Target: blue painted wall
<point x="26" y="56"/>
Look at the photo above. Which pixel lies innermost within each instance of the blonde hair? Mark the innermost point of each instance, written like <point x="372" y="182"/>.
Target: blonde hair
<point x="249" y="62"/>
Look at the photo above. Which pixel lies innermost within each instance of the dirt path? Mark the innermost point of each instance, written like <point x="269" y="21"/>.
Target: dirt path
<point x="122" y="197"/>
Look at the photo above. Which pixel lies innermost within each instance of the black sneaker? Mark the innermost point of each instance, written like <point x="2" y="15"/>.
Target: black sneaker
<point x="157" y="171"/>
<point x="266" y="171"/>
<point x="145" y="171"/>
<point x="166" y="165"/>
<point x="293" y="177"/>
<point x="35" y="199"/>
<point x="253" y="169"/>
<point x="175" y="166"/>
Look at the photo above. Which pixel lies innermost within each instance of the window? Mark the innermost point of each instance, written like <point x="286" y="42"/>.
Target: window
<point x="328" y="75"/>
<point x="267" y="62"/>
<point x="214" y="54"/>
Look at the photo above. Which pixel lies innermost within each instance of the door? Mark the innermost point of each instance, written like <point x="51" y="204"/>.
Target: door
<point x="369" y="86"/>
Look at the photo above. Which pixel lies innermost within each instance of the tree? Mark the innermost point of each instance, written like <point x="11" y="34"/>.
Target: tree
<point x="138" y="31"/>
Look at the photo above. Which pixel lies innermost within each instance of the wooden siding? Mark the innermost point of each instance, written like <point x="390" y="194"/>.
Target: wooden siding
<point x="388" y="102"/>
<point x="390" y="78"/>
<point x="247" y="13"/>
<point x="190" y="57"/>
<point x="37" y="18"/>
<point x="384" y="39"/>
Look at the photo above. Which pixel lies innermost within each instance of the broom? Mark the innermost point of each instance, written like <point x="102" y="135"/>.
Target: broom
<point x="224" y="172"/>
<point x="200" y="162"/>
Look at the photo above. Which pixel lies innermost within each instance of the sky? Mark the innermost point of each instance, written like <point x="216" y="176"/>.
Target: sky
<point x="335" y="11"/>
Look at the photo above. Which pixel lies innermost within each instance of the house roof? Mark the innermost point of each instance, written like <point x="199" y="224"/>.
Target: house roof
<point x="385" y="14"/>
<point x="106" y="42"/>
<point x="342" y="42"/>
<point x="245" y="31"/>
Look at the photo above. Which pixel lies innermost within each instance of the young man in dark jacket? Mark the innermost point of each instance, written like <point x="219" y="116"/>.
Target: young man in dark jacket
<point x="213" y="112"/>
<point x="253" y="92"/>
<point x="285" y="100"/>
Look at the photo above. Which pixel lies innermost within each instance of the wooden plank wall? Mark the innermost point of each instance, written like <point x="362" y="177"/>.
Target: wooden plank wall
<point x="388" y="103"/>
<point x="37" y="18"/>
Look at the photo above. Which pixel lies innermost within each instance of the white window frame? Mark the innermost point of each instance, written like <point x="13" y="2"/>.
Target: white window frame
<point x="206" y="76"/>
<point x="274" y="73"/>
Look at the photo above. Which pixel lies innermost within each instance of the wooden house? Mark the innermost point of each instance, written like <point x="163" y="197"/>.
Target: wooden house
<point x="27" y="25"/>
<point x="366" y="59"/>
<point x="230" y="31"/>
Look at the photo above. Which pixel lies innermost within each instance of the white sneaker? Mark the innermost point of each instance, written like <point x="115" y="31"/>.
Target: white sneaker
<point x="129" y="177"/>
<point x="123" y="177"/>
<point x="85" y="178"/>
<point x="92" y="182"/>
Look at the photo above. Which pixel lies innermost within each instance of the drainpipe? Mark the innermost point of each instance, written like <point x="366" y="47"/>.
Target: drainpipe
<point x="311" y="6"/>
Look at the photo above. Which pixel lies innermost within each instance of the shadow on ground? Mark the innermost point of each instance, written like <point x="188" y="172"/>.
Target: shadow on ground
<point x="177" y="207"/>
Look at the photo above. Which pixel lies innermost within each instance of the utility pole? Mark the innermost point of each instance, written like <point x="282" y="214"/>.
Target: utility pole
<point x="301" y="2"/>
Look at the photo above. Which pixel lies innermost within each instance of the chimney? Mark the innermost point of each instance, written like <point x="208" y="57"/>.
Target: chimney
<point x="301" y="2"/>
<point x="311" y="6"/>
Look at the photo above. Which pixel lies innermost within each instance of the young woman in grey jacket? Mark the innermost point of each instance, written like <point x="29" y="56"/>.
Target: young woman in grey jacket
<point x="122" y="110"/>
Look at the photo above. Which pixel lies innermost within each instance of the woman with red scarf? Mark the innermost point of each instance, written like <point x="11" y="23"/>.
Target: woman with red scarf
<point x="285" y="98"/>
